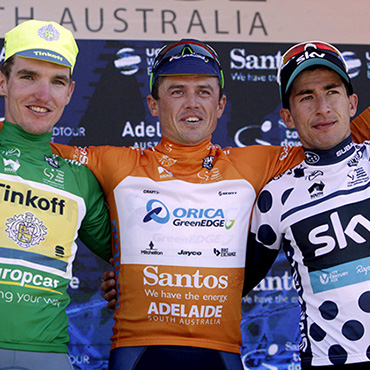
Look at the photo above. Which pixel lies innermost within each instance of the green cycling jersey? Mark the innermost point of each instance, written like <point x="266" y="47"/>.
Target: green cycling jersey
<point x="46" y="203"/>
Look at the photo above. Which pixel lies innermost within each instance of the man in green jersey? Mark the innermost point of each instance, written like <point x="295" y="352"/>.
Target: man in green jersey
<point x="46" y="202"/>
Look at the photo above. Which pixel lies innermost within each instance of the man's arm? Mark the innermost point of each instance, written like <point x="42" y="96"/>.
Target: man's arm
<point x="64" y="151"/>
<point x="264" y="239"/>
<point x="95" y="231"/>
<point x="360" y="127"/>
<point x="258" y="262"/>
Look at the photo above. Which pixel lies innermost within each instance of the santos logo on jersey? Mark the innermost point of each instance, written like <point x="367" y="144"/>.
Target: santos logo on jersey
<point x="346" y="228"/>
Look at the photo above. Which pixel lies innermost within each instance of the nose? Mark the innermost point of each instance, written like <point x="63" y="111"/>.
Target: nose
<point x="192" y="100"/>
<point x="322" y="104"/>
<point x="43" y="91"/>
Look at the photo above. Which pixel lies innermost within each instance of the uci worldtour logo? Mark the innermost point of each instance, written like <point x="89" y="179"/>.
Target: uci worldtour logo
<point x="186" y="217"/>
<point x="127" y="62"/>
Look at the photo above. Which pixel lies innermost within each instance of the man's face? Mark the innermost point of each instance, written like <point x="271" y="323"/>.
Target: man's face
<point x="188" y="108"/>
<point x="320" y="109"/>
<point x="35" y="94"/>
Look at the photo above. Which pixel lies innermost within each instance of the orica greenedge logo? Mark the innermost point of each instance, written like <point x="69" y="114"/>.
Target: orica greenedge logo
<point x="158" y="212"/>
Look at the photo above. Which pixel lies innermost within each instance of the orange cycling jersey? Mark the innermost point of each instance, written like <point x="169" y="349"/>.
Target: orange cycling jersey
<point x="180" y="217"/>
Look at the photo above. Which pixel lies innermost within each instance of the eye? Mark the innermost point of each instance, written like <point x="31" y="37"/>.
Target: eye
<point x="176" y="92"/>
<point x="331" y="92"/>
<point x="306" y="98"/>
<point x="59" y="82"/>
<point x="205" y="92"/>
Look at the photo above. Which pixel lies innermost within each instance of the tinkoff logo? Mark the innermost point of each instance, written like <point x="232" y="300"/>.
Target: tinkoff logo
<point x="26" y="230"/>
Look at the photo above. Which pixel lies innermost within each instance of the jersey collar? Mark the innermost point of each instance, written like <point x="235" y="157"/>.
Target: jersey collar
<point x="340" y="152"/>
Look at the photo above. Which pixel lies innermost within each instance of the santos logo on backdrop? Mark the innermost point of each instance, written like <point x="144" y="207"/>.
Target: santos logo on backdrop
<point x="253" y="67"/>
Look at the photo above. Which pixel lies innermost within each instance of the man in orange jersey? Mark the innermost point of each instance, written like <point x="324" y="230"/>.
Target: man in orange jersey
<point x="180" y="213"/>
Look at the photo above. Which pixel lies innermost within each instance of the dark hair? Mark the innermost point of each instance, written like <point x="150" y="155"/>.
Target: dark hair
<point x="159" y="80"/>
<point x="6" y="67"/>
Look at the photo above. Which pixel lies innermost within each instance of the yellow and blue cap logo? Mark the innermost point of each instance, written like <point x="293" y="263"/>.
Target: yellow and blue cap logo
<point x="47" y="41"/>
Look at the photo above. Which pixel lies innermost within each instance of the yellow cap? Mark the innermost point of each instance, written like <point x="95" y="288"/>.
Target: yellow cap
<point x="48" y="41"/>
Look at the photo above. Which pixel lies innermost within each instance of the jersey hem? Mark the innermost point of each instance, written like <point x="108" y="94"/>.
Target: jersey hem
<point x="34" y="348"/>
<point x="171" y="342"/>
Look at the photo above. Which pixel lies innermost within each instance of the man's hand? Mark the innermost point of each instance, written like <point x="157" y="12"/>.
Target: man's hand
<point x="108" y="286"/>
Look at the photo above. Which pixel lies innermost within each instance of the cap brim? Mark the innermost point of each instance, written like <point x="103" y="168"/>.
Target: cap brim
<point x="316" y="62"/>
<point x="188" y="67"/>
<point x="45" y="55"/>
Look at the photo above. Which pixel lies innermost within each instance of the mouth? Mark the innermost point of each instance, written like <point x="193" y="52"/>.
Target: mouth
<point x="38" y="109"/>
<point x="324" y="125"/>
<point x="192" y="120"/>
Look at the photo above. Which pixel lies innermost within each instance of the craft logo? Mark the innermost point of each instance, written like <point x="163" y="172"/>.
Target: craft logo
<point x="26" y="230"/>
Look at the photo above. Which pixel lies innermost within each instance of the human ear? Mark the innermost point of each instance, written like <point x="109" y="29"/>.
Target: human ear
<point x="152" y="105"/>
<point x="287" y="118"/>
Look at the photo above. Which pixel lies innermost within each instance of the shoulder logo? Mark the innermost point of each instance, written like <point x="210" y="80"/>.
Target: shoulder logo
<point x="53" y="162"/>
<point x="26" y="230"/>
<point x="10" y="165"/>
<point x="208" y="162"/>
<point x="317" y="190"/>
<point x="311" y="157"/>
<point x="49" y="33"/>
<point x="163" y="173"/>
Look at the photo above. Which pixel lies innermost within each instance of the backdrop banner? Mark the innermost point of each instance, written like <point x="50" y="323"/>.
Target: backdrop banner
<point x="337" y="21"/>
<point x="109" y="107"/>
